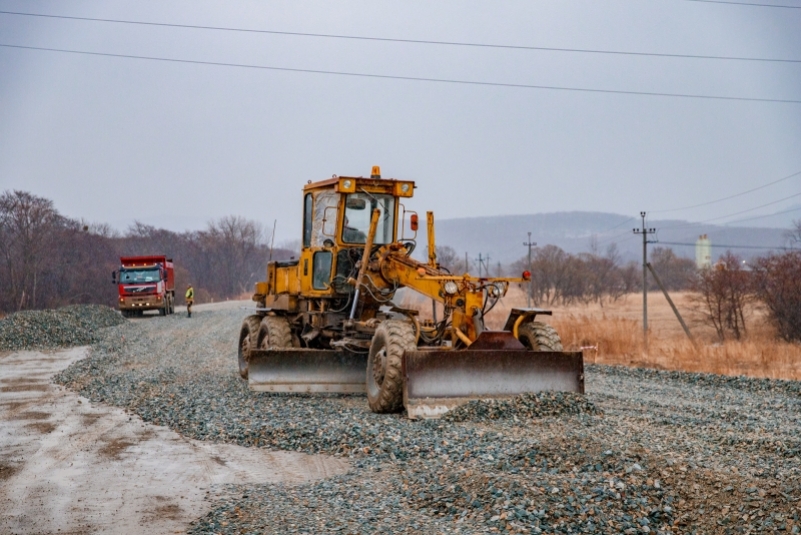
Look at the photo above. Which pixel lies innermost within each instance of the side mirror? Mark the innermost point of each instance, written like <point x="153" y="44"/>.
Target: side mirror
<point x="355" y="203"/>
<point x="114" y="277"/>
<point x="413" y="221"/>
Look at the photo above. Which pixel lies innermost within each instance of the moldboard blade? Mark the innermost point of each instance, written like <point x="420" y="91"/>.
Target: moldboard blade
<point x="439" y="380"/>
<point x="307" y="371"/>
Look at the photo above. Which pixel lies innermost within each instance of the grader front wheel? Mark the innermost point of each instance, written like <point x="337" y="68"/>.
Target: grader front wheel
<point x="274" y="332"/>
<point x="539" y="336"/>
<point x="384" y="379"/>
<point x="248" y="335"/>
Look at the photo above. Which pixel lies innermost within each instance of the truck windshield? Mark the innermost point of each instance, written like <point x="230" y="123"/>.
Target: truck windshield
<point x="138" y="276"/>
<point x="358" y="209"/>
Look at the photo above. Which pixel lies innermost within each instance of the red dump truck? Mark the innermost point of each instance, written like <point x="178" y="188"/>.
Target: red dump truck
<point x="145" y="283"/>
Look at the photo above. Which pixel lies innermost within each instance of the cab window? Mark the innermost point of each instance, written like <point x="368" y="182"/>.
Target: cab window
<point x="308" y="202"/>
<point x="358" y="210"/>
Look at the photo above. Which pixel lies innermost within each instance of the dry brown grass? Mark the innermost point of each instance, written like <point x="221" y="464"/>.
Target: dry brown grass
<point x="612" y="334"/>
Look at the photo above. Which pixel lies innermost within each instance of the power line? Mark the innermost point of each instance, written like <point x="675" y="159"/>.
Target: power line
<point x="749" y="4"/>
<point x="407" y="41"/>
<point x="752" y="209"/>
<point x="408" y="78"/>
<point x="688" y="225"/>
<point x="769" y="215"/>
<point x="729" y="197"/>
<point x="616" y="226"/>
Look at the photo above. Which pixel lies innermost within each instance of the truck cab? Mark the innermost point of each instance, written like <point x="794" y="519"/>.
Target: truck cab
<point x="145" y="283"/>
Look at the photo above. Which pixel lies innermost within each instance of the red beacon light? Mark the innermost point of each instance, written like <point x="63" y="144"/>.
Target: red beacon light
<point x="527" y="275"/>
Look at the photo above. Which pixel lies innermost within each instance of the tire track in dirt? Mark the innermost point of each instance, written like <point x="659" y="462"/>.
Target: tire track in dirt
<point x="70" y="466"/>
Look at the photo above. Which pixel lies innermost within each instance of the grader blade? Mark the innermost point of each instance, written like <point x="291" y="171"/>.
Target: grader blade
<point x="306" y="370"/>
<point x="495" y="366"/>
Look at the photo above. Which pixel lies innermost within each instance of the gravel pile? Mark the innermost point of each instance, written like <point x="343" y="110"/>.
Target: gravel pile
<point x="643" y="452"/>
<point x="74" y="325"/>
<point x="523" y="407"/>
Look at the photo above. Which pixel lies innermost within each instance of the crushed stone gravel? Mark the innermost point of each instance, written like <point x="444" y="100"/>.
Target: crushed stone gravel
<point x="524" y="406"/>
<point x="73" y="325"/>
<point x="644" y="451"/>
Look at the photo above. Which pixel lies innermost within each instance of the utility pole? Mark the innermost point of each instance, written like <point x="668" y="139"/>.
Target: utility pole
<point x="529" y="244"/>
<point x="482" y="267"/>
<point x="466" y="265"/>
<point x="645" y="232"/>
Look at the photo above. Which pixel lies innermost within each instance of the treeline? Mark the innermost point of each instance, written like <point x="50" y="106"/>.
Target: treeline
<point x="48" y="260"/>
<point x="561" y="278"/>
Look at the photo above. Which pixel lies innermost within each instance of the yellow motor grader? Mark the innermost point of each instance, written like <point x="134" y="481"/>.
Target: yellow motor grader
<point x="326" y="322"/>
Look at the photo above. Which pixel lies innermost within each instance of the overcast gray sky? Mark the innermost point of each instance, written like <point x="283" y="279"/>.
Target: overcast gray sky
<point x="174" y="145"/>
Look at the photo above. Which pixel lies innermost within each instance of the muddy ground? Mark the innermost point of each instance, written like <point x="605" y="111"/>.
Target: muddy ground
<point x="71" y="466"/>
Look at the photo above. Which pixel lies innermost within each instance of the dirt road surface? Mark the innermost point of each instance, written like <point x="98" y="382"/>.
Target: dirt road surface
<point x="67" y="466"/>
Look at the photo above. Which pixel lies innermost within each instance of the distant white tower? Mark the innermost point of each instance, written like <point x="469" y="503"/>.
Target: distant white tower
<point x="703" y="252"/>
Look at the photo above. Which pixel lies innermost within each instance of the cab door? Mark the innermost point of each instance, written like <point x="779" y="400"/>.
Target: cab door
<point x="320" y="225"/>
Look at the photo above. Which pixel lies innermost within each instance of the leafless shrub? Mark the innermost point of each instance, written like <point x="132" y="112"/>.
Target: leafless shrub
<point x="449" y="259"/>
<point x="724" y="290"/>
<point x="794" y="234"/>
<point x="675" y="272"/>
<point x="778" y="286"/>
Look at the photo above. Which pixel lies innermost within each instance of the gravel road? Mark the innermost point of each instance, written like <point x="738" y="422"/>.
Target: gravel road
<point x="644" y="452"/>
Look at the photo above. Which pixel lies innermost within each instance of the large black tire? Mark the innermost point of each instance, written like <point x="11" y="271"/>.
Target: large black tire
<point x="274" y="331"/>
<point x="539" y="336"/>
<point x="248" y="335"/>
<point x="384" y="379"/>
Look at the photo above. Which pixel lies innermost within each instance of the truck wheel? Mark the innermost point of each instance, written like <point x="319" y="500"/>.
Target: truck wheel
<point x="384" y="380"/>
<point x="163" y="310"/>
<point x="247" y="341"/>
<point x="539" y="336"/>
<point x="274" y="332"/>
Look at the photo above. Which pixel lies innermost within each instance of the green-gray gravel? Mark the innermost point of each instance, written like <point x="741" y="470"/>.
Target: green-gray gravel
<point x="643" y="452"/>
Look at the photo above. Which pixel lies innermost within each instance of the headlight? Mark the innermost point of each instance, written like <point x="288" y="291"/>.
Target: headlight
<point x="451" y="288"/>
<point x="495" y="290"/>
<point x="347" y="184"/>
<point x="405" y="188"/>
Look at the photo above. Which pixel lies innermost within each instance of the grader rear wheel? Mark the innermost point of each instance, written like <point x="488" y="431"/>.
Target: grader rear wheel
<point x="274" y="332"/>
<point x="539" y="336"/>
<point x="384" y="379"/>
<point x="247" y="340"/>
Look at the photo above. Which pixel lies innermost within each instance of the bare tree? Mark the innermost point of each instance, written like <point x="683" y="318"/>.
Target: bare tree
<point x="448" y="258"/>
<point x="236" y="248"/>
<point x="676" y="273"/>
<point x="28" y="226"/>
<point x="724" y="290"/>
<point x="794" y="234"/>
<point x="778" y="286"/>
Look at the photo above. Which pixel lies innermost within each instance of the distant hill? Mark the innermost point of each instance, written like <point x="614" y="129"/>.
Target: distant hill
<point x="781" y="219"/>
<point x="502" y="237"/>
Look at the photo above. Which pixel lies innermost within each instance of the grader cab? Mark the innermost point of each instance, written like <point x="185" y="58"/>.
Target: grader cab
<point x="327" y="322"/>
